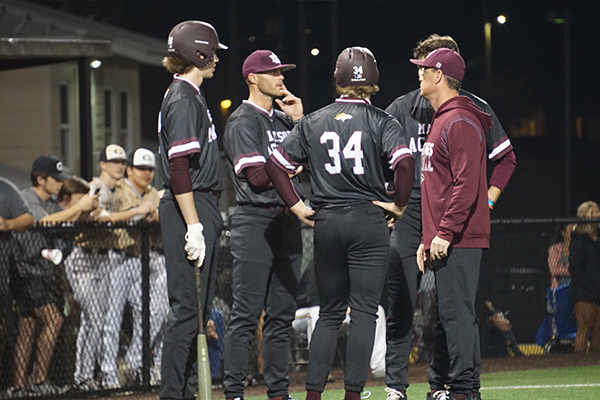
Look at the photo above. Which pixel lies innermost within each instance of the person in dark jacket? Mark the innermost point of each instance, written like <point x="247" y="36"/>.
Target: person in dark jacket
<point x="584" y="263"/>
<point x="456" y="219"/>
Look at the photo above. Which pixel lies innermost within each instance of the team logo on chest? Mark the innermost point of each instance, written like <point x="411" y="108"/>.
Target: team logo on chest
<point x="426" y="158"/>
<point x="275" y="138"/>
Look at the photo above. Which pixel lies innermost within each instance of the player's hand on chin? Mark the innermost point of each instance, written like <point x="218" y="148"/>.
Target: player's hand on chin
<point x="290" y="104"/>
<point x="303" y="213"/>
<point x="394" y="213"/>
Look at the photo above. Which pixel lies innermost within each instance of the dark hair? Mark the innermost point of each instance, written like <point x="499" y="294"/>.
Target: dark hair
<point x="73" y="185"/>
<point x="559" y="234"/>
<point x="35" y="174"/>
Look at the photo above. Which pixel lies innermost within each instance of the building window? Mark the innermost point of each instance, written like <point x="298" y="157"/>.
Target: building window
<point x="125" y="120"/>
<point x="65" y="123"/>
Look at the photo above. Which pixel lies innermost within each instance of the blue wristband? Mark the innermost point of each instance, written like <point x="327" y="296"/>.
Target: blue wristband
<point x="491" y="204"/>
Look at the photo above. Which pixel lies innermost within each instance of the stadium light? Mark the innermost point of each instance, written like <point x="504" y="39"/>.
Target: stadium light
<point x="225" y="104"/>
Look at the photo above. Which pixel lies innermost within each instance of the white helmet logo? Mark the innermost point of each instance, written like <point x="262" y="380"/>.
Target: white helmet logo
<point x="59" y="166"/>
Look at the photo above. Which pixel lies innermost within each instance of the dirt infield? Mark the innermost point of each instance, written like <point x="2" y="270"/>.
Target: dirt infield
<point x="418" y="373"/>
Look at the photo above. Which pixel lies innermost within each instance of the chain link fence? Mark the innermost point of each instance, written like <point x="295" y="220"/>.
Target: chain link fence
<point x="83" y="306"/>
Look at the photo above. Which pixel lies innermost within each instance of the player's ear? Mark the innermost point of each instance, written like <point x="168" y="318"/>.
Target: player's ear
<point x="252" y="78"/>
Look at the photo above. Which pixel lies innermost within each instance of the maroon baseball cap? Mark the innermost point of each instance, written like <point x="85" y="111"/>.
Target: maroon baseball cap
<point x="446" y="60"/>
<point x="263" y="61"/>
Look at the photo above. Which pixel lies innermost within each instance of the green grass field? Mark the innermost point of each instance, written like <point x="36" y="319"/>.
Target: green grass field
<point x="575" y="383"/>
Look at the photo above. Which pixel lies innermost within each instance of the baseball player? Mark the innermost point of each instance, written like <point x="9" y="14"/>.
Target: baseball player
<point x="456" y="219"/>
<point x="137" y="200"/>
<point x="189" y="210"/>
<point x="348" y="145"/>
<point x="266" y="242"/>
<point x="414" y="114"/>
<point x="89" y="266"/>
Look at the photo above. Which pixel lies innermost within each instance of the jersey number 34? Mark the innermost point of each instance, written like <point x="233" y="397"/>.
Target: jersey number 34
<point x="352" y="150"/>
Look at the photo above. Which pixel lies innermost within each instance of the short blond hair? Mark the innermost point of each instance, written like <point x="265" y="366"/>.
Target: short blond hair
<point x="584" y="208"/>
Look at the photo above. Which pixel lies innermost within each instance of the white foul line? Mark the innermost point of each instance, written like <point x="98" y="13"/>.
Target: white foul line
<point x="542" y="386"/>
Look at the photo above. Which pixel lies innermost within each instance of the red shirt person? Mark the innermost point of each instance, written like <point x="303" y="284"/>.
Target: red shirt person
<point x="456" y="220"/>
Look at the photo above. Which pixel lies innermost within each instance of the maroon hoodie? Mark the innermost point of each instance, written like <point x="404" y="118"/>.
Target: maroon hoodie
<point x="453" y="176"/>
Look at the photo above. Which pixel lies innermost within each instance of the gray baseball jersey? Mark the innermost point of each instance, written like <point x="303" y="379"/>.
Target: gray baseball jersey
<point x="345" y="144"/>
<point x="185" y="128"/>
<point x="251" y="135"/>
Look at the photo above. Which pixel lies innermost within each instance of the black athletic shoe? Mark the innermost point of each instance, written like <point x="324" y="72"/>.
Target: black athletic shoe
<point x="445" y="395"/>
<point x="476" y="396"/>
<point x="438" y="395"/>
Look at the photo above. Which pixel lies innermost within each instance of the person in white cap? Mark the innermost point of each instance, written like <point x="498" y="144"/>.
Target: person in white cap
<point x="137" y="200"/>
<point x="90" y="264"/>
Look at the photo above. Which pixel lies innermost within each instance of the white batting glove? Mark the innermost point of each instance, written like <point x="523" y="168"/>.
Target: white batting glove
<point x="195" y="245"/>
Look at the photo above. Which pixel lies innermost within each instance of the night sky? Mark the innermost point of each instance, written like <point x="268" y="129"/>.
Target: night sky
<point x="527" y="82"/>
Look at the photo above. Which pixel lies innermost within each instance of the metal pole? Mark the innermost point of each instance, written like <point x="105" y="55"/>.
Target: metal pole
<point x="85" y="118"/>
<point x="146" y="346"/>
<point x="567" y="55"/>
<point x="302" y="53"/>
<point x="334" y="40"/>
<point x="487" y="31"/>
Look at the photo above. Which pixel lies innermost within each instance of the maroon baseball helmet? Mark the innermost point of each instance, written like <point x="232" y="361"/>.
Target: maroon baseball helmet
<point x="356" y="66"/>
<point x="194" y="41"/>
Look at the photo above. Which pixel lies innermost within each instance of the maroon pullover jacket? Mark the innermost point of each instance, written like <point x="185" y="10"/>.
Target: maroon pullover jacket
<point x="453" y="176"/>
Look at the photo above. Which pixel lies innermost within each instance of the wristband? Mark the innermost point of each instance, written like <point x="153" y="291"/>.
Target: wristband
<point x="195" y="228"/>
<point x="491" y="204"/>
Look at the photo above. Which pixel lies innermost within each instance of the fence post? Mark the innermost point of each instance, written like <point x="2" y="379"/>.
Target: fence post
<point x="146" y="349"/>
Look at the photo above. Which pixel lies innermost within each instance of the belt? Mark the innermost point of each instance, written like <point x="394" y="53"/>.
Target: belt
<point x="275" y="209"/>
<point x="215" y="193"/>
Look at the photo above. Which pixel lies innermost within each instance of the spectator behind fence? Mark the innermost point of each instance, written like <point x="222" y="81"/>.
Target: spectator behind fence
<point x="584" y="263"/>
<point x="34" y="289"/>
<point x="138" y="200"/>
<point x="89" y="265"/>
<point x="15" y="215"/>
<point x="558" y="256"/>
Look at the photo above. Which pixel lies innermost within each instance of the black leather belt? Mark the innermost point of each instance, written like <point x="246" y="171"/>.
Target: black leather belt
<point x="215" y="193"/>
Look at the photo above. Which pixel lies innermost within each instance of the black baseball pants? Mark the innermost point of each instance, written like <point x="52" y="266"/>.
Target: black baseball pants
<point x="403" y="279"/>
<point x="266" y="245"/>
<point x="179" y="380"/>
<point x="457" y="330"/>
<point x="351" y="251"/>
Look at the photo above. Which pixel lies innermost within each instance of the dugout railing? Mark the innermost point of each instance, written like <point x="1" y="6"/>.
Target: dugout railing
<point x="514" y="277"/>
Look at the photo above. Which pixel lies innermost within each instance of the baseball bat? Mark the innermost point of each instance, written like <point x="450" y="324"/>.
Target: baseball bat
<point x="204" y="379"/>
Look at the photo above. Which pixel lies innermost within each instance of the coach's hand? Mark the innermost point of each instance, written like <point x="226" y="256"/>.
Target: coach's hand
<point x="393" y="212"/>
<point x="290" y="104"/>
<point x="439" y="248"/>
<point x="303" y="213"/>
<point x="195" y="245"/>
